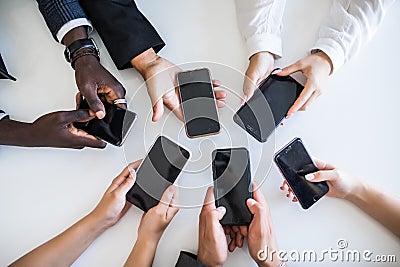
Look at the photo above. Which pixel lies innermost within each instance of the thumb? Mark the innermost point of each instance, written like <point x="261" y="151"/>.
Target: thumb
<point x="220" y="212"/>
<point x="158" y="110"/>
<point x="290" y="69"/>
<point x="254" y="206"/>
<point x="95" y="104"/>
<point x="249" y="86"/>
<point x="321" y="176"/>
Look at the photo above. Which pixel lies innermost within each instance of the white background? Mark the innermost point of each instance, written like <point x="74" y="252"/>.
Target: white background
<point x="354" y="125"/>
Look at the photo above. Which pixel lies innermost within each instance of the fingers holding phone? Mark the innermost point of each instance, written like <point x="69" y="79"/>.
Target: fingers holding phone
<point x="57" y="130"/>
<point x="316" y="67"/>
<point x="113" y="204"/>
<point x="260" y="66"/>
<point x="156" y="220"/>
<point x="212" y="248"/>
<point x="260" y="231"/>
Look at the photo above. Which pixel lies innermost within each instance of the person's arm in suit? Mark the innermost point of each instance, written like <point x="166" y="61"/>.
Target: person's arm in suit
<point x="68" y="23"/>
<point x="132" y="41"/>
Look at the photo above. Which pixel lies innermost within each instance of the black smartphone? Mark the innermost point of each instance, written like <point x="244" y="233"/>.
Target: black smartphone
<point x="279" y="93"/>
<point x="113" y="128"/>
<point x="295" y="163"/>
<point x="232" y="184"/>
<point x="198" y="103"/>
<point x="161" y="167"/>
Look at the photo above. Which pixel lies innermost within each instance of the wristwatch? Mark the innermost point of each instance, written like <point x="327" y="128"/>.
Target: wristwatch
<point x="78" y="45"/>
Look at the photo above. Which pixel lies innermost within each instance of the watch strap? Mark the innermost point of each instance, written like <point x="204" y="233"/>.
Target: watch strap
<point x="78" y="45"/>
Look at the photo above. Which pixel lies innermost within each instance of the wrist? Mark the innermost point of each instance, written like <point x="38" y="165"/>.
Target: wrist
<point x="326" y="59"/>
<point x="99" y="223"/>
<point x="143" y="61"/>
<point x="262" y="54"/>
<point x="75" y="34"/>
<point x="146" y="241"/>
<point x="17" y="133"/>
<point x="357" y="192"/>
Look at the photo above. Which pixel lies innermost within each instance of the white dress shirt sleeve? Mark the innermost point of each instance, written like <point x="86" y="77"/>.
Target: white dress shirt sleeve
<point x="72" y="24"/>
<point x="2" y="115"/>
<point x="350" y="24"/>
<point x="260" y="23"/>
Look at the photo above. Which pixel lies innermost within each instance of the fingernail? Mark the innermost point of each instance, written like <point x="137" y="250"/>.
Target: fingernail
<point x="251" y="201"/>
<point x="309" y="176"/>
<point x="221" y="209"/>
<point x="172" y="189"/>
<point x="132" y="171"/>
<point x="100" y="114"/>
<point x="276" y="71"/>
<point x="288" y="116"/>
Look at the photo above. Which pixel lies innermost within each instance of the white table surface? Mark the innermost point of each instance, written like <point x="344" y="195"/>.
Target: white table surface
<point x="354" y="125"/>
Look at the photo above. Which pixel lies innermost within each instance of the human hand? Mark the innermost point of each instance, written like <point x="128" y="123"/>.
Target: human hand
<point x="213" y="248"/>
<point x="260" y="232"/>
<point x="96" y="84"/>
<point x="156" y="219"/>
<point x="113" y="204"/>
<point x="57" y="130"/>
<point x="341" y="185"/>
<point x="160" y="76"/>
<point x="316" y="67"/>
<point x="260" y="66"/>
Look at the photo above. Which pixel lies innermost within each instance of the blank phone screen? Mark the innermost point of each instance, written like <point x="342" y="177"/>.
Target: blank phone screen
<point x="158" y="170"/>
<point x="198" y="102"/>
<point x="268" y="106"/>
<point x="232" y="184"/>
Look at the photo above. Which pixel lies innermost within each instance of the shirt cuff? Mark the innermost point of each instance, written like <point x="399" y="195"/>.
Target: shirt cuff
<point x="72" y="24"/>
<point x="265" y="43"/>
<point x="3" y="115"/>
<point x="333" y="50"/>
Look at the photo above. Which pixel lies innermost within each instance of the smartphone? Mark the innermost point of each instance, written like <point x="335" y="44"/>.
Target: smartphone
<point x="279" y="93"/>
<point x="232" y="184"/>
<point x="161" y="167"/>
<point x="113" y="128"/>
<point x="295" y="163"/>
<point x="198" y="103"/>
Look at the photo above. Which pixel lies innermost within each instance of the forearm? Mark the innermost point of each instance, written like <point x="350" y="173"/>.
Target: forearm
<point x="142" y="253"/>
<point x="75" y="34"/>
<point x="15" y="133"/>
<point x="349" y="26"/>
<point x="383" y="208"/>
<point x="65" y="248"/>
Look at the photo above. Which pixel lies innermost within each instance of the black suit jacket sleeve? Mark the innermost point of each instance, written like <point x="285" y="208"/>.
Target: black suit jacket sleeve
<point x="124" y="30"/>
<point x="187" y="259"/>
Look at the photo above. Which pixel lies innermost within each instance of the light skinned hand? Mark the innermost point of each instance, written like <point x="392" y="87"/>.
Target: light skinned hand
<point x="340" y="183"/>
<point x="260" y="66"/>
<point x="113" y="204"/>
<point x="316" y="67"/>
<point x="156" y="219"/>
<point x="213" y="248"/>
<point x="260" y="232"/>
<point x="161" y="80"/>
